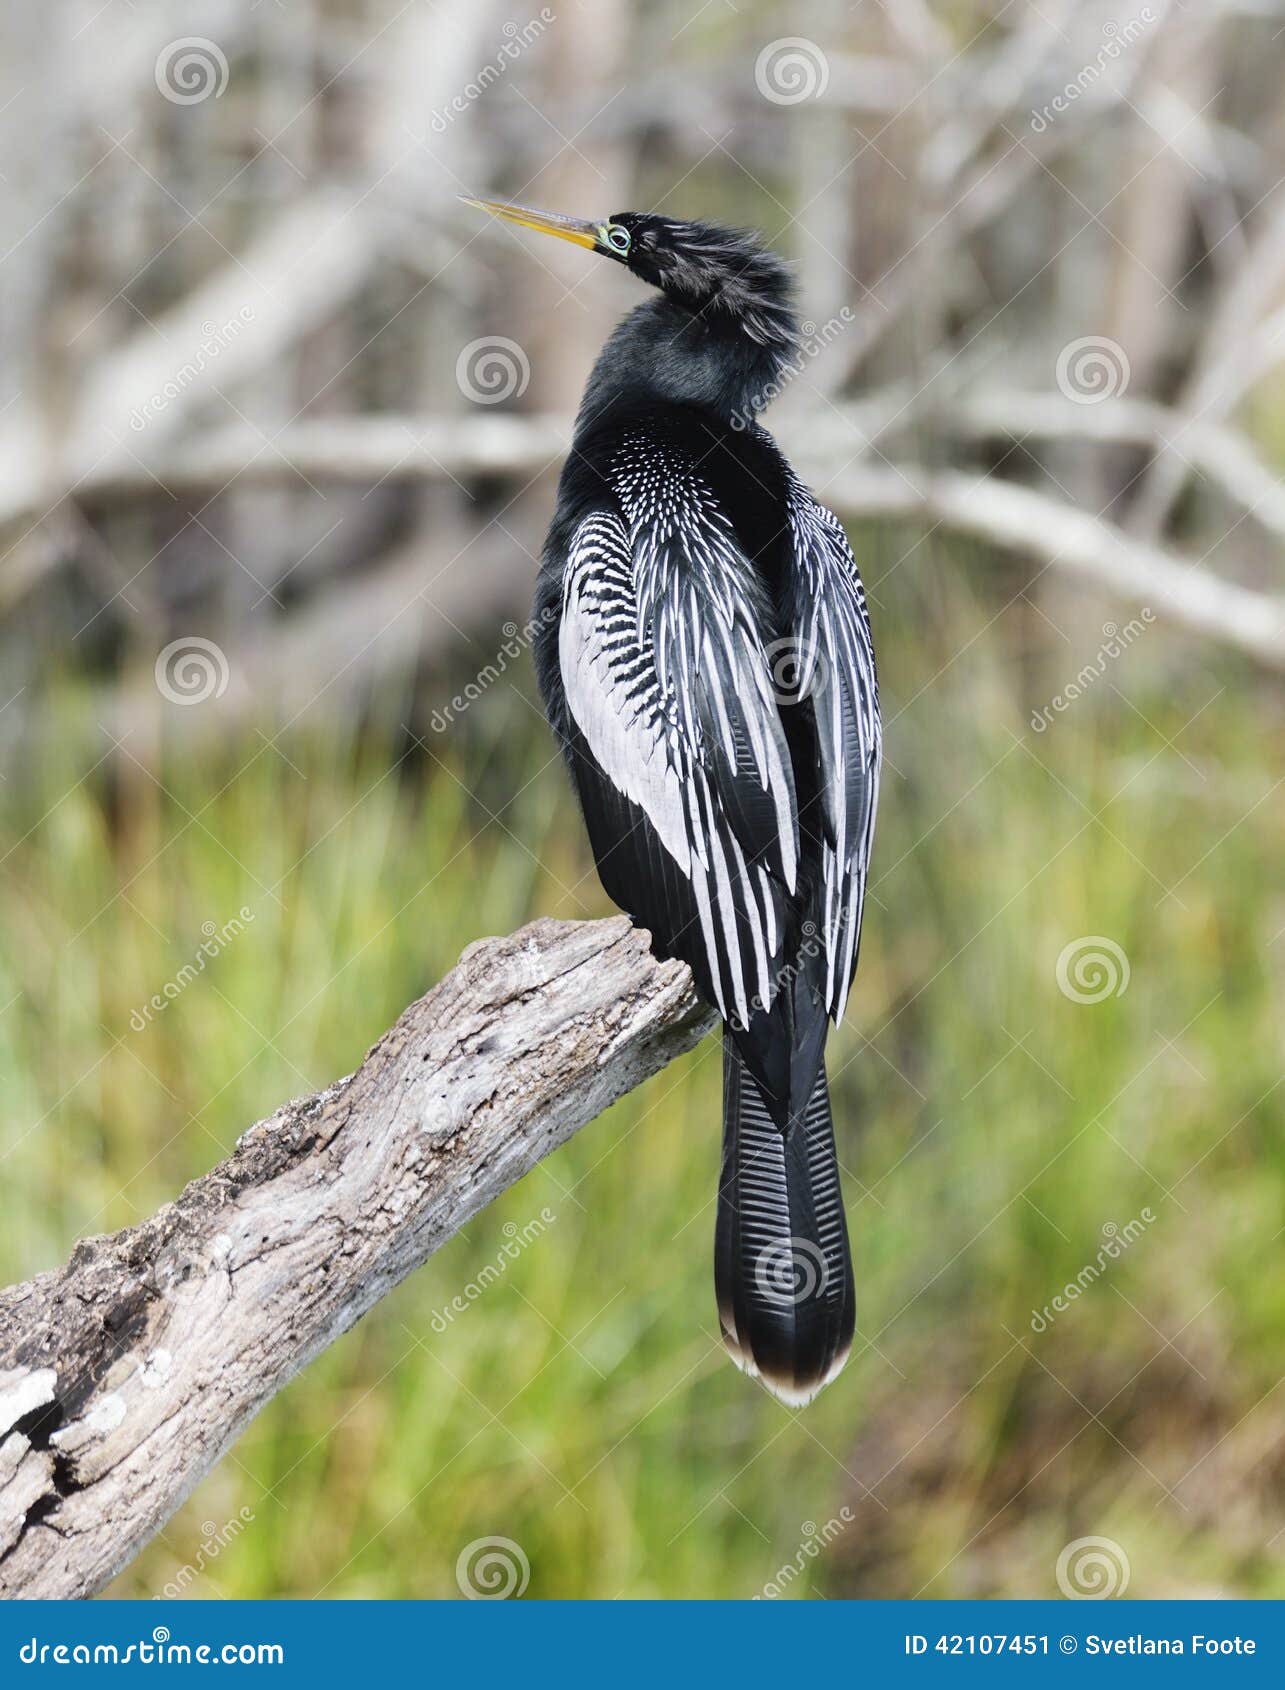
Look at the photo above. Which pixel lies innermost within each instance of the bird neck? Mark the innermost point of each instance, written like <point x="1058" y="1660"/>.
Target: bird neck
<point x="724" y="352"/>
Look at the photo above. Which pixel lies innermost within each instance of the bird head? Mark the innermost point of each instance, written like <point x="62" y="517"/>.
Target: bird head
<point x="720" y="273"/>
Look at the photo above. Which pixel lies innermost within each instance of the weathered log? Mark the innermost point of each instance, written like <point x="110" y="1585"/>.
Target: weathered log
<point x="127" y="1373"/>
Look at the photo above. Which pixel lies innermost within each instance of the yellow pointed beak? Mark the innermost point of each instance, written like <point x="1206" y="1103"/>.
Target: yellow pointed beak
<point x="548" y="222"/>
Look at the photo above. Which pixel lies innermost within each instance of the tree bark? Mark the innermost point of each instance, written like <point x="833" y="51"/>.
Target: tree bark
<point x="127" y="1373"/>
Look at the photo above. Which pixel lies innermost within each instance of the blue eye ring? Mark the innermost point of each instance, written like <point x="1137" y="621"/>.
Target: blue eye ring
<point x="617" y="238"/>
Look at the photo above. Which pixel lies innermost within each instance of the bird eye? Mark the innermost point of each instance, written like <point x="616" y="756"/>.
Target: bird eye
<point x="617" y="238"/>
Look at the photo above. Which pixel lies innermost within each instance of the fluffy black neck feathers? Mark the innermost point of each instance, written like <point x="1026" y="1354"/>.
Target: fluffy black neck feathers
<point x="721" y="332"/>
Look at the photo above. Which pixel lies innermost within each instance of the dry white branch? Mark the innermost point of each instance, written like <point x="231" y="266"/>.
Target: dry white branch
<point x="1243" y="343"/>
<point x="1217" y="450"/>
<point x="393" y="448"/>
<point x="1013" y="517"/>
<point x="376" y="449"/>
<point x="251" y="311"/>
<point x="1020" y="520"/>
<point x="127" y="1373"/>
<point x="144" y="392"/>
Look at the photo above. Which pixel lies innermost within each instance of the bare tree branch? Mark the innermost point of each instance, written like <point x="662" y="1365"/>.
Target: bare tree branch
<point x="250" y="311"/>
<point x="1020" y="520"/>
<point x="1217" y="450"/>
<point x="386" y="448"/>
<point x="1243" y="342"/>
<point x="127" y="1373"/>
<point x="1011" y="516"/>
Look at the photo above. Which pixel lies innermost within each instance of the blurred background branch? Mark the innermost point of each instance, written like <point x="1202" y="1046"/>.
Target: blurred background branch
<point x="190" y="372"/>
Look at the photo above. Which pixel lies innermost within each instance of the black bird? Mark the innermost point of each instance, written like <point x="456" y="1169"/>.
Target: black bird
<point x="706" y="663"/>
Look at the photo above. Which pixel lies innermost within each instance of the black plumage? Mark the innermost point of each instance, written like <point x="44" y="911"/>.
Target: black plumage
<point x="706" y="663"/>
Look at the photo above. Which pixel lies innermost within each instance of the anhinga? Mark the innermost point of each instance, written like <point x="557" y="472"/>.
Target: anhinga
<point x="706" y="664"/>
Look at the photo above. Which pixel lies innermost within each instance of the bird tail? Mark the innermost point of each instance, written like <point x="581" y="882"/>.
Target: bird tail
<point x="782" y="1270"/>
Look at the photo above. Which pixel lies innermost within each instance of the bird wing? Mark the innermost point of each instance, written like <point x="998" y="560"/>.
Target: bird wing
<point x="680" y="756"/>
<point x="836" y="670"/>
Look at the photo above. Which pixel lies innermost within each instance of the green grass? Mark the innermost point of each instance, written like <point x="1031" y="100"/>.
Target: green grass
<point x="991" y="1128"/>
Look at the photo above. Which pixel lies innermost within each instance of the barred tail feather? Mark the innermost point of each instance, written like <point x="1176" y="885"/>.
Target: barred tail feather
<point x="782" y="1269"/>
